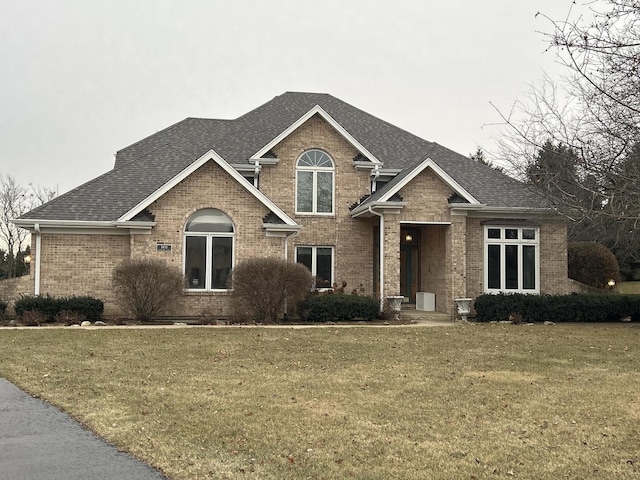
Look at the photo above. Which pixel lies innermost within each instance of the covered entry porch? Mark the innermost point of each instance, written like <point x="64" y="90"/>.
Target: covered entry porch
<point x="423" y="264"/>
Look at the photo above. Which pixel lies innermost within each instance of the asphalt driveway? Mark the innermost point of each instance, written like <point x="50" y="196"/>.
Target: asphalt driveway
<point x="39" y="442"/>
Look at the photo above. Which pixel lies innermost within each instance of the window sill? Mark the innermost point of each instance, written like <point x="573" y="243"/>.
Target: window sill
<point x="315" y="215"/>
<point x="507" y="292"/>
<point x="202" y="292"/>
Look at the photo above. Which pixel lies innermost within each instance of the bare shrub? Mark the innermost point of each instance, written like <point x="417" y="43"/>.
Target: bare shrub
<point x="263" y="286"/>
<point x="33" y="318"/>
<point x="68" y="317"/>
<point x="208" y="316"/>
<point x="145" y="288"/>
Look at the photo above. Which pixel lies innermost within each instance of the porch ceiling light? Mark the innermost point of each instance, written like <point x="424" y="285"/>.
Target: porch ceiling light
<point x="408" y="238"/>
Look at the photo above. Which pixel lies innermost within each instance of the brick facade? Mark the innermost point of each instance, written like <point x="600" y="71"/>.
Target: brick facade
<point x="450" y="245"/>
<point x="351" y="238"/>
<point x="81" y="264"/>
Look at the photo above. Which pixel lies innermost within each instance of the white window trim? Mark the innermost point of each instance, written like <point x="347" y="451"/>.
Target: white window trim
<point x="519" y="242"/>
<point x="208" y="253"/>
<point x="314" y="259"/>
<point x="314" y="193"/>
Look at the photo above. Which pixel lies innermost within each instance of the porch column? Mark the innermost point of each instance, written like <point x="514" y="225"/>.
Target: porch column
<point x="457" y="257"/>
<point x="391" y="254"/>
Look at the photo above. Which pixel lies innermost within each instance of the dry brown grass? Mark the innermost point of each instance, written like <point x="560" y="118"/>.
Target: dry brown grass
<point x="474" y="401"/>
<point x="628" y="287"/>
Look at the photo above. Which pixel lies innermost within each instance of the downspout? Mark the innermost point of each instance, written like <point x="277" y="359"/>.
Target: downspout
<point x="286" y="243"/>
<point x="286" y="259"/>
<point x="381" y="267"/>
<point x="256" y="174"/>
<point x="36" y="288"/>
<point x="376" y="174"/>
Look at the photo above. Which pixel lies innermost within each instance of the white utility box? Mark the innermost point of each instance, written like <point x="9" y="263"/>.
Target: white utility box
<point x="426" y="301"/>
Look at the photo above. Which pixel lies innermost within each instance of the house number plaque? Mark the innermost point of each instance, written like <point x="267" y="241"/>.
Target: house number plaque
<point x="163" y="247"/>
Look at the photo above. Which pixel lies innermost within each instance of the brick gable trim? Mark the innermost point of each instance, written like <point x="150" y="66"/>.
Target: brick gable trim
<point x="317" y="110"/>
<point x="388" y="194"/>
<point x="211" y="155"/>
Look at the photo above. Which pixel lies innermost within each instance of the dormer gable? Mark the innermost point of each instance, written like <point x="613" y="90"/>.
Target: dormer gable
<point x="265" y="154"/>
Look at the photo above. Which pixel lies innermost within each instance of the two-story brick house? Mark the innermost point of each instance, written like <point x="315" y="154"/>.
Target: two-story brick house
<point x="312" y="179"/>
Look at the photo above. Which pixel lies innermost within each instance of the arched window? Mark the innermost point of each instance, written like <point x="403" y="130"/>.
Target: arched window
<point x="208" y="250"/>
<point x="314" y="183"/>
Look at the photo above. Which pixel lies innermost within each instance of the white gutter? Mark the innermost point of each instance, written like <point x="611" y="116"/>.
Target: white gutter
<point x="381" y="266"/>
<point x="36" y="288"/>
<point x="386" y="205"/>
<point x="24" y="223"/>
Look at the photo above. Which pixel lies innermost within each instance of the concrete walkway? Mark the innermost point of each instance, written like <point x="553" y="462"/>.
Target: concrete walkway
<point x="39" y="442"/>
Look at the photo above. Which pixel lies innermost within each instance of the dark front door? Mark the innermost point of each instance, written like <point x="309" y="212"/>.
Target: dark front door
<point x="409" y="263"/>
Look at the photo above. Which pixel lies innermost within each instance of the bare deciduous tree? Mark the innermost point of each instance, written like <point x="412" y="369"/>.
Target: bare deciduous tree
<point x="15" y="200"/>
<point x="592" y="117"/>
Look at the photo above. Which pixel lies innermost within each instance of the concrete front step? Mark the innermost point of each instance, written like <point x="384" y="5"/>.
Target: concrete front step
<point x="407" y="314"/>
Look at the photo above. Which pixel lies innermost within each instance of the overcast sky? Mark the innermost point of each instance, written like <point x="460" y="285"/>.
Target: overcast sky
<point x="82" y="79"/>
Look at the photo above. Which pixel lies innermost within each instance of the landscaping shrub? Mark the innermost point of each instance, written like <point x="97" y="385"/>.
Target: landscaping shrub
<point x="88" y="307"/>
<point x="50" y="307"/>
<point x="558" y="308"/>
<point x="145" y="288"/>
<point x="3" y="309"/>
<point x="46" y="305"/>
<point x="592" y="264"/>
<point x="326" y="308"/>
<point x="261" y="286"/>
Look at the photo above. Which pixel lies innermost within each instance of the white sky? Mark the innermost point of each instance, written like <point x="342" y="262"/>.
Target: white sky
<point x="81" y="79"/>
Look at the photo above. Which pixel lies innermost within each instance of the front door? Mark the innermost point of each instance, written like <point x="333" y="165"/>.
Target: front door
<point x="409" y="263"/>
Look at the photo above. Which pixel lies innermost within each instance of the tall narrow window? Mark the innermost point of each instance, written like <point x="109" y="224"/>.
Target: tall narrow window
<point x="511" y="259"/>
<point x="319" y="261"/>
<point x="315" y="183"/>
<point x="208" y="250"/>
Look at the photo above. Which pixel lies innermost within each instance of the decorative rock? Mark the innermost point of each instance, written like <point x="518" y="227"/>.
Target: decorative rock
<point x="626" y="319"/>
<point x="549" y="323"/>
<point x="12" y="323"/>
<point x="180" y="324"/>
<point x="86" y="323"/>
<point x="74" y="325"/>
<point x="100" y="323"/>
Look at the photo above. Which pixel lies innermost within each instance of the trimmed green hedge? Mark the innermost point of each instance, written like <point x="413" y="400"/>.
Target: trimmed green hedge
<point x="89" y="307"/>
<point x="338" y="307"/>
<point x="3" y="309"/>
<point x="576" y="307"/>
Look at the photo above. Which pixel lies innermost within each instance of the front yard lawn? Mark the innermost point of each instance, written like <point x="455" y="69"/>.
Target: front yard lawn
<point x="463" y="402"/>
